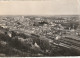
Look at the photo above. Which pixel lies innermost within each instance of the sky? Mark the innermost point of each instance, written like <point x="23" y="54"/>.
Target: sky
<point x="40" y="7"/>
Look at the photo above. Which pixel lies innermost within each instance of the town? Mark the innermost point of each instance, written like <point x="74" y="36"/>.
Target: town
<point x="40" y="35"/>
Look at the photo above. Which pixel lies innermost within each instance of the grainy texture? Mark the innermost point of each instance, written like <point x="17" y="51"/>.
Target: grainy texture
<point x="30" y="36"/>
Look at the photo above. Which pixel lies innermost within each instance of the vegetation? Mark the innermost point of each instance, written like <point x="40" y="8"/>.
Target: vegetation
<point x="35" y="37"/>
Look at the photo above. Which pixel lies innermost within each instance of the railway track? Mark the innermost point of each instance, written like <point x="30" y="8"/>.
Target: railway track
<point x="68" y="43"/>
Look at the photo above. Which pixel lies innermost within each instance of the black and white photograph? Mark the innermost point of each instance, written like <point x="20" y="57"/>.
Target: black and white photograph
<point x="48" y="28"/>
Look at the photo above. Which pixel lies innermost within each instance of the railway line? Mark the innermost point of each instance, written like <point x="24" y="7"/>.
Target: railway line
<point x="68" y="43"/>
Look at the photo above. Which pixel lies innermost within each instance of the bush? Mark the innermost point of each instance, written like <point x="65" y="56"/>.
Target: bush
<point x="43" y="43"/>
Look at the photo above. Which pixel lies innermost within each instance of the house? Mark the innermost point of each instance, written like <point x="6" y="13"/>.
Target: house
<point x="3" y="26"/>
<point x="58" y="27"/>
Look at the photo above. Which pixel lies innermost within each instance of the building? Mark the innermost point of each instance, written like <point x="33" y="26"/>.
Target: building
<point x="59" y="20"/>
